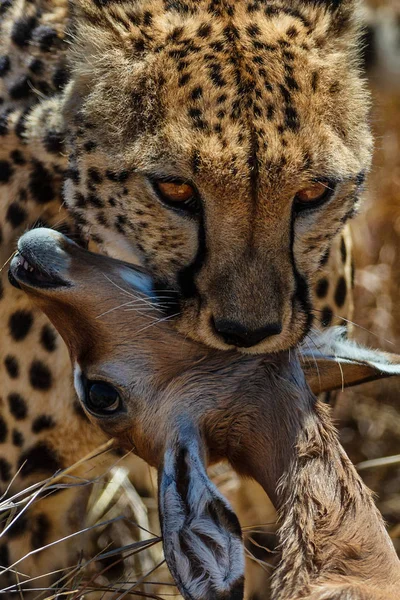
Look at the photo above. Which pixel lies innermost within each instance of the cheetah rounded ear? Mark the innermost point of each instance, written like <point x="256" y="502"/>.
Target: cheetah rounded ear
<point x="201" y="534"/>
<point x="333" y="362"/>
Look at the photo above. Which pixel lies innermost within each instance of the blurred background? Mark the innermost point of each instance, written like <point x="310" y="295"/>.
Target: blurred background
<point x="369" y="416"/>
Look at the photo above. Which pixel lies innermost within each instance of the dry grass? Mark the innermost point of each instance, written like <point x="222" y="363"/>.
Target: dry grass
<point x="369" y="417"/>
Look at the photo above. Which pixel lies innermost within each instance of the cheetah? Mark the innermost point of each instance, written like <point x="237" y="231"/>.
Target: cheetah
<point x="222" y="145"/>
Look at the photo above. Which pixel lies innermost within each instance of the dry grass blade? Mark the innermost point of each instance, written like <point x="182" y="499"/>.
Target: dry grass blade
<point x="376" y="463"/>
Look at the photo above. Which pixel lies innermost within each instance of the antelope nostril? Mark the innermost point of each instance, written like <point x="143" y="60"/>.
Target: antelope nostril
<point x="236" y="334"/>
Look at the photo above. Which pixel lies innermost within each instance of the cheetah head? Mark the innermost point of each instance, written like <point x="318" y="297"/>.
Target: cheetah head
<point x="222" y="145"/>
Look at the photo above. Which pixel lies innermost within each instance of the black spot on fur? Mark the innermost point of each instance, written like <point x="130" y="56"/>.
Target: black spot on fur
<point x="183" y="80"/>
<point x="17" y="157"/>
<point x="5" y="470"/>
<point x="60" y="78"/>
<point x="197" y="93"/>
<point x="41" y="183"/>
<point x="89" y="146"/>
<point x="20" y="88"/>
<point x="204" y="30"/>
<point x="16" y="214"/>
<point x="42" y="423"/>
<point x="18" y="527"/>
<point x="19" y="324"/>
<point x="95" y="201"/>
<point x="94" y="175"/>
<point x="17" y="406"/>
<point x="45" y="36"/>
<point x="40" y="376"/>
<point x="17" y="438"/>
<point x="40" y="528"/>
<point x="54" y="142"/>
<point x="21" y="32"/>
<point x="20" y="127"/>
<point x="6" y="171"/>
<point x="40" y="458"/>
<point x="4" y="556"/>
<point x="340" y="292"/>
<point x="12" y="366"/>
<point x="5" y="64"/>
<point x="3" y="430"/>
<point x="4" y="122"/>
<point x="48" y="338"/>
<point x="326" y="316"/>
<point x="291" y="118"/>
<point x="322" y="287"/>
<point x="36" y="66"/>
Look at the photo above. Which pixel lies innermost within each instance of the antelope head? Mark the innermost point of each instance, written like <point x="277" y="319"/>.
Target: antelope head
<point x="180" y="405"/>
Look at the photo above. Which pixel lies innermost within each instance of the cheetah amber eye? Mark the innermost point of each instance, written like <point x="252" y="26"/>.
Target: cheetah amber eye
<point x="102" y="398"/>
<point x="313" y="195"/>
<point x="177" y="194"/>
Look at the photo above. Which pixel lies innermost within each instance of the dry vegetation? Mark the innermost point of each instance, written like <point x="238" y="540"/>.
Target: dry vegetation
<point x="370" y="416"/>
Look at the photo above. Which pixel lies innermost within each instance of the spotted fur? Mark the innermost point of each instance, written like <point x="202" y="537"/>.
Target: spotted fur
<point x="246" y="99"/>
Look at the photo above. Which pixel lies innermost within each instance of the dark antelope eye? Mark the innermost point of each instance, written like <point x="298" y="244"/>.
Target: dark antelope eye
<point x="177" y="194"/>
<point x="313" y="195"/>
<point x="102" y="398"/>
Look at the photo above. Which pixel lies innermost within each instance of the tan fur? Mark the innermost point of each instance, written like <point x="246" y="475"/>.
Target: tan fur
<point x="247" y="154"/>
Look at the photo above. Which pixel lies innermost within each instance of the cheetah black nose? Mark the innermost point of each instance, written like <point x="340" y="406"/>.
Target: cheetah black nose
<point x="236" y="334"/>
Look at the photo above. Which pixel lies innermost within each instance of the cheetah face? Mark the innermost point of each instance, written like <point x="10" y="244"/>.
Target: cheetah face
<point x="222" y="146"/>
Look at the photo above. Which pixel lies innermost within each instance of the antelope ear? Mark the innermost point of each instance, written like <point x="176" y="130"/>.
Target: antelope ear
<point x="201" y="534"/>
<point x="333" y="362"/>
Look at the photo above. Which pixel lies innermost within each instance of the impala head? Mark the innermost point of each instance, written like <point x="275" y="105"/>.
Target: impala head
<point x="222" y="145"/>
<point x="179" y="404"/>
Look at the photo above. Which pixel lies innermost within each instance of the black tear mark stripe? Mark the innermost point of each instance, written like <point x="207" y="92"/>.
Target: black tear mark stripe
<point x="302" y="291"/>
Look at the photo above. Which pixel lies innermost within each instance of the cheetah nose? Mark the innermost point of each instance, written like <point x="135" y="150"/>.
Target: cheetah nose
<point x="236" y="334"/>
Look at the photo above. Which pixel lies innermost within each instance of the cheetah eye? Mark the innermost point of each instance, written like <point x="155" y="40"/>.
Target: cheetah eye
<point x="102" y="398"/>
<point x="313" y="195"/>
<point x="178" y="194"/>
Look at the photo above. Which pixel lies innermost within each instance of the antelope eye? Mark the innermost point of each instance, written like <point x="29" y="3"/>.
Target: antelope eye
<point x="177" y="194"/>
<point x="102" y="398"/>
<point x="313" y="195"/>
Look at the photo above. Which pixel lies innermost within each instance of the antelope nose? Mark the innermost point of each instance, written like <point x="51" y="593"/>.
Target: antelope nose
<point x="236" y="334"/>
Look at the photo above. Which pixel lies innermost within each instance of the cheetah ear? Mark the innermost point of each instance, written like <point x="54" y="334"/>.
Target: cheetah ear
<point x="201" y="534"/>
<point x="333" y="362"/>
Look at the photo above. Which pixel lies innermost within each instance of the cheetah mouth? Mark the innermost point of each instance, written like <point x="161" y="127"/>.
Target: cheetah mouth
<point x="24" y="270"/>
